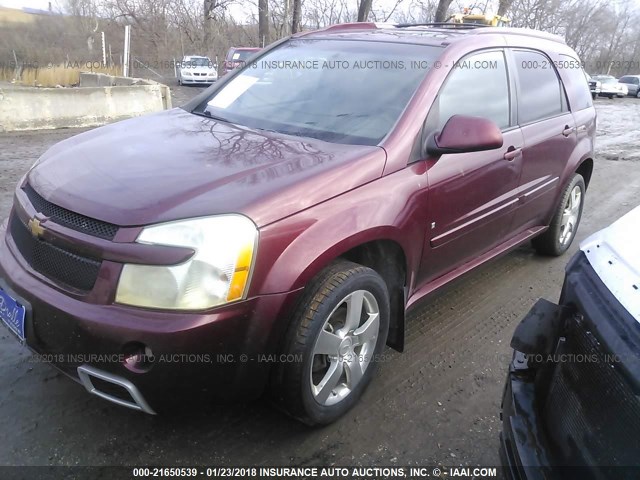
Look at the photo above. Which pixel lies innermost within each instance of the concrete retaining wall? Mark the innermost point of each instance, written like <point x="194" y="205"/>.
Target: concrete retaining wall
<point x="24" y="108"/>
<point x="89" y="79"/>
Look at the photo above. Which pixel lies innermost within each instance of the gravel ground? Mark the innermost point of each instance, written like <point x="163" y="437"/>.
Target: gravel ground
<point x="438" y="403"/>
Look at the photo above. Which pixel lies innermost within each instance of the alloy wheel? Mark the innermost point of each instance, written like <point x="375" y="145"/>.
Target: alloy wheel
<point x="570" y="216"/>
<point x="344" y="347"/>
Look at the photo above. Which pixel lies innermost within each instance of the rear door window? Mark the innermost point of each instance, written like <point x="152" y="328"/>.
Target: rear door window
<point x="540" y="93"/>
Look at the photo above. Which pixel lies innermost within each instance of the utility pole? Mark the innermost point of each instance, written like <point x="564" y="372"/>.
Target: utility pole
<point x="127" y="47"/>
<point x="104" y="51"/>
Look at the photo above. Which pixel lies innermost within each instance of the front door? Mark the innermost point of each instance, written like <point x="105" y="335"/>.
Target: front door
<point x="472" y="196"/>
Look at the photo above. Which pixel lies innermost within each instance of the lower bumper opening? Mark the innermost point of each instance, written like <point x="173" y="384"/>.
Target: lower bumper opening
<point x="112" y="388"/>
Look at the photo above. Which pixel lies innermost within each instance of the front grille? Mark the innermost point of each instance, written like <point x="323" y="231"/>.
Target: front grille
<point x="70" y="219"/>
<point x="591" y="413"/>
<point x="53" y="262"/>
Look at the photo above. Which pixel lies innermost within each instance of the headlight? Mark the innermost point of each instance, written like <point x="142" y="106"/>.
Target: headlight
<point x="217" y="273"/>
<point x="187" y="74"/>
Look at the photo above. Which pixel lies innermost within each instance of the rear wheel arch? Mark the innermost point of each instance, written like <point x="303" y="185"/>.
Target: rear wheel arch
<point x="586" y="169"/>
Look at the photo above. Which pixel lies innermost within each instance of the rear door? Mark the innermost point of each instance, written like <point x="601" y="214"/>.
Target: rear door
<point x="472" y="195"/>
<point x="550" y="137"/>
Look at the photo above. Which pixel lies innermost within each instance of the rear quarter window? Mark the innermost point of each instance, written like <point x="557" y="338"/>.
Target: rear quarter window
<point x="575" y="83"/>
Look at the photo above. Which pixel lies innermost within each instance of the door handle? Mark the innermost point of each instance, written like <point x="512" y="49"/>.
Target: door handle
<point x="568" y="130"/>
<point x="512" y="153"/>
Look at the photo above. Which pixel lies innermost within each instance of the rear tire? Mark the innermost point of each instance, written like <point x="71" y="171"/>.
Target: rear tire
<point x="563" y="227"/>
<point x="338" y="330"/>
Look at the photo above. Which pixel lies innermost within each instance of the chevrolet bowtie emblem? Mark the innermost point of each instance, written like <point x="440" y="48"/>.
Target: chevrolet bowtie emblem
<point x="36" y="229"/>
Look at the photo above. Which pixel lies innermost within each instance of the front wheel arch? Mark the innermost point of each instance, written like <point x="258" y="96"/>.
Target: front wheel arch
<point x="289" y="383"/>
<point x="387" y="259"/>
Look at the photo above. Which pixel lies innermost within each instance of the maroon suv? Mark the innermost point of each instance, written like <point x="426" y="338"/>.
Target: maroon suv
<point x="270" y="235"/>
<point x="237" y="57"/>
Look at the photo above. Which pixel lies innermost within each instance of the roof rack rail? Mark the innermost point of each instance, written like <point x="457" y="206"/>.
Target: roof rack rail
<point x="442" y="24"/>
<point x="527" y="32"/>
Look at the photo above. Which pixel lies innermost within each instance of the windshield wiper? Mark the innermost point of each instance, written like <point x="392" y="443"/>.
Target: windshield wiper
<point x="267" y="130"/>
<point x="283" y="132"/>
<point x="207" y="114"/>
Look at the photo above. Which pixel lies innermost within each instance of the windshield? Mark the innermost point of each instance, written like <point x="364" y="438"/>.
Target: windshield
<point x="241" y="55"/>
<point x="606" y="80"/>
<point x="338" y="91"/>
<point x="197" y="62"/>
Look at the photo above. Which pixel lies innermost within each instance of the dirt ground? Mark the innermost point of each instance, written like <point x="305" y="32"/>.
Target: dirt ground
<point x="438" y="403"/>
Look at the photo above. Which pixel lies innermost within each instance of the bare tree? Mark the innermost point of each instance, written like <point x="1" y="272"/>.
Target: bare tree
<point x="263" y="22"/>
<point x="503" y="6"/>
<point x="605" y="35"/>
<point x="297" y="15"/>
<point x="364" y="10"/>
<point x="321" y="13"/>
<point x="441" y="11"/>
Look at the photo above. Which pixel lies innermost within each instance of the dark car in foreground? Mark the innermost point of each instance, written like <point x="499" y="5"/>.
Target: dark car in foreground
<point x="270" y="235"/>
<point x="571" y="406"/>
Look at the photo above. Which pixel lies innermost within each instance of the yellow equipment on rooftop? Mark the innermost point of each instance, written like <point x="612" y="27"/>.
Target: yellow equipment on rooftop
<point x="479" y="19"/>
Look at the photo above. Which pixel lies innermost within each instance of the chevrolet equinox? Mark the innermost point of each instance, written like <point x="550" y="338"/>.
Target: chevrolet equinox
<point x="269" y="236"/>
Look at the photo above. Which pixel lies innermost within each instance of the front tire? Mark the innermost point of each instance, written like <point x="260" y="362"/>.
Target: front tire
<point x="338" y="330"/>
<point x="564" y="225"/>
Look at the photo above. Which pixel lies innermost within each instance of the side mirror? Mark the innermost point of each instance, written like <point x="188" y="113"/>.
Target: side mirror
<point x="463" y="134"/>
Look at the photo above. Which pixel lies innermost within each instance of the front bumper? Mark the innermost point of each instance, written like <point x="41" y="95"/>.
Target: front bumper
<point x="523" y="449"/>
<point x="608" y="91"/>
<point x="211" y="355"/>
<point x="569" y="410"/>
<point x="198" y="80"/>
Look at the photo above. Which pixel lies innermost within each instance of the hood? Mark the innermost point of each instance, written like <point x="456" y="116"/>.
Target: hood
<point x="175" y="165"/>
<point x="614" y="255"/>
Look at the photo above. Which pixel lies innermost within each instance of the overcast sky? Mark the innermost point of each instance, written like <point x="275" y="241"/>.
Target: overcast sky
<point x="240" y="11"/>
